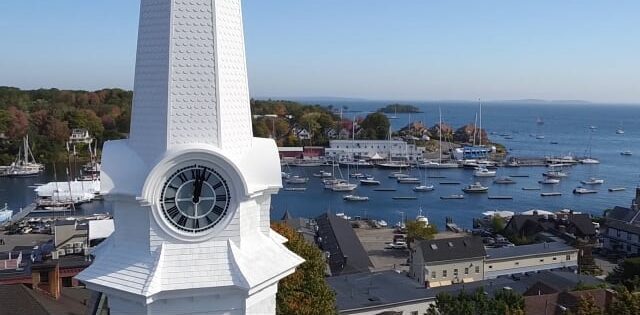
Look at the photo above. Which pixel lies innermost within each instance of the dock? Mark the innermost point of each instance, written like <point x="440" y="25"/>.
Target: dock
<point x="550" y="194"/>
<point x="23" y="213"/>
<point x="500" y="197"/>
<point x="385" y="189"/>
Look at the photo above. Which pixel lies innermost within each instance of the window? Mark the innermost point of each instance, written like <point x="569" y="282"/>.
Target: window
<point x="629" y="236"/>
<point x="444" y="273"/>
<point x="490" y="266"/>
<point x="477" y="269"/>
<point x="455" y="272"/>
<point x="466" y="271"/>
<point x="554" y="258"/>
<point x="568" y="257"/>
<point x="433" y="275"/>
<point x="517" y="263"/>
<point x="541" y="260"/>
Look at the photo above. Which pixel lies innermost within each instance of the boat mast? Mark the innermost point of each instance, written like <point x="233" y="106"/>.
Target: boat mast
<point x="480" y="129"/>
<point x="440" y="132"/>
<point x="475" y="129"/>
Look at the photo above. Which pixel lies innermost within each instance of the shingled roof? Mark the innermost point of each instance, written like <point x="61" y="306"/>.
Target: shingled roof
<point x="16" y="299"/>
<point x="451" y="249"/>
<point x="346" y="254"/>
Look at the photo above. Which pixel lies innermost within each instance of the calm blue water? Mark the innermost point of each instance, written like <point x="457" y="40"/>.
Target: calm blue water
<point x="565" y="124"/>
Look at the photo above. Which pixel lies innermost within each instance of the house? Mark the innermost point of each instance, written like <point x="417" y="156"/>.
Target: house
<point x="568" y="225"/>
<point x="345" y="254"/>
<point x="302" y="134"/>
<point x="442" y="262"/>
<point x="565" y="302"/>
<point x="622" y="229"/>
<point x="529" y="258"/>
<point x="79" y="135"/>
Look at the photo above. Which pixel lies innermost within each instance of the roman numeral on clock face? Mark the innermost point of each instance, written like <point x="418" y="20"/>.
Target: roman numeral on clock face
<point x="173" y="211"/>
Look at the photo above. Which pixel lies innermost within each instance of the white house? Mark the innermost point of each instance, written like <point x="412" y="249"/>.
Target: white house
<point x="79" y="135"/>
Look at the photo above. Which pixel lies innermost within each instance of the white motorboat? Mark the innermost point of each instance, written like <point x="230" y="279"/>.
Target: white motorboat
<point x="582" y="191"/>
<point x="626" y="153"/>
<point x="593" y="181"/>
<point x="369" y="181"/>
<point x="540" y="137"/>
<point x="483" y="172"/>
<point x="620" y="131"/>
<point x="555" y="174"/>
<point x="355" y="198"/>
<point x="589" y="161"/>
<point x="65" y="194"/>
<point x="423" y="188"/>
<point x="408" y="180"/>
<point x="421" y="218"/>
<point x="549" y="181"/>
<point x="475" y="188"/>
<point x="344" y="186"/>
<point x="296" y="180"/>
<point x="323" y="174"/>
<point x="382" y="223"/>
<point x="358" y="175"/>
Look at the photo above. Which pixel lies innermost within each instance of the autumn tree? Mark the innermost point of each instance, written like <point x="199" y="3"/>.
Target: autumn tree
<point x="418" y="230"/>
<point x="305" y="292"/>
<point x="587" y="306"/>
<point x="625" y="303"/>
<point x="18" y="123"/>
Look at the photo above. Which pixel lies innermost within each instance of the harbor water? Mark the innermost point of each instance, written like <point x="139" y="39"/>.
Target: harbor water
<point x="566" y="126"/>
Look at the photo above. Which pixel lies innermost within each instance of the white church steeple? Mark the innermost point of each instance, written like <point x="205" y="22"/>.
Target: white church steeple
<point x="191" y="188"/>
<point x="191" y="79"/>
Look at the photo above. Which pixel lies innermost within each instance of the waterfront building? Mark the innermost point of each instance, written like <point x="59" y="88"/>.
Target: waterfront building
<point x="568" y="225"/>
<point x="366" y="149"/>
<point x="443" y="262"/>
<point x="191" y="187"/>
<point x="80" y="135"/>
<point x="529" y="258"/>
<point x="622" y="229"/>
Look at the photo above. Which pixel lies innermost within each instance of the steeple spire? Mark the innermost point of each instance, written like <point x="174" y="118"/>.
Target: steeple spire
<point x="190" y="81"/>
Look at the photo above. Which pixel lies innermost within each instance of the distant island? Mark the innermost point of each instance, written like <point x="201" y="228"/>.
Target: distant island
<point x="399" y="108"/>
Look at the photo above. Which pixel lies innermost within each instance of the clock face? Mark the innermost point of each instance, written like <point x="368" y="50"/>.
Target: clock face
<point x="195" y="198"/>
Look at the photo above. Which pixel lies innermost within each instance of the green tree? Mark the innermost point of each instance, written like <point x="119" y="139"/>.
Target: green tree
<point x="505" y="302"/>
<point x="305" y="292"/>
<point x="587" y="306"/>
<point x="417" y="230"/>
<point x="627" y="273"/>
<point x="625" y="303"/>
<point x="376" y="125"/>
<point x="497" y="224"/>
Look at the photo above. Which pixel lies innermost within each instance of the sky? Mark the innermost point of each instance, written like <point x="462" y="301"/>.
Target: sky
<point x="373" y="49"/>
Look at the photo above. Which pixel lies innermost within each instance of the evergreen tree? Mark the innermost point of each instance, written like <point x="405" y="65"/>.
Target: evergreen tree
<point x="305" y="292"/>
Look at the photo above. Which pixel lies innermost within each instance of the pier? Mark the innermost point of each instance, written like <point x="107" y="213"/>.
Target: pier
<point x="23" y="213"/>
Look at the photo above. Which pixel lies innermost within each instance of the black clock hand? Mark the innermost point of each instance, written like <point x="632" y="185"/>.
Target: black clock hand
<point x="197" y="190"/>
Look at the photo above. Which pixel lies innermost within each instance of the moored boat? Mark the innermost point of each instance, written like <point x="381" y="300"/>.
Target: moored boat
<point x="475" y="188"/>
<point x="549" y="181"/>
<point x="296" y="180"/>
<point x="370" y="181"/>
<point x="504" y="180"/>
<point x="483" y="172"/>
<point x="355" y="198"/>
<point x="593" y="181"/>
<point x="452" y="197"/>
<point x="582" y="191"/>
<point x="423" y="188"/>
<point x="344" y="186"/>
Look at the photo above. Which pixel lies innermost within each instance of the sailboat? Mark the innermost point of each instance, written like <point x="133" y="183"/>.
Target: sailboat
<point x="395" y="113"/>
<point x="439" y="164"/>
<point x="590" y="159"/>
<point x="620" y="131"/>
<point x="424" y="187"/>
<point x="25" y="164"/>
<point x="344" y="186"/>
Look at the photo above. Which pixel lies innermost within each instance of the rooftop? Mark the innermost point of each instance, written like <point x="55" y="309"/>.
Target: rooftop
<point x="338" y="238"/>
<point x="380" y="289"/>
<point x="451" y="248"/>
<point x="527" y="250"/>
